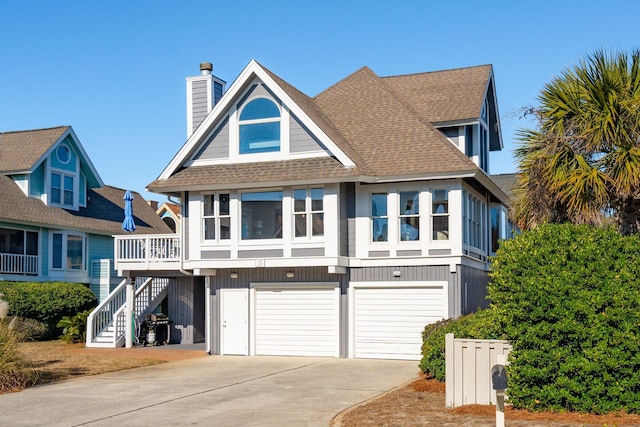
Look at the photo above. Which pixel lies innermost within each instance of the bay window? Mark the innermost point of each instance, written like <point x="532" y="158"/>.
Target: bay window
<point x="473" y="218"/>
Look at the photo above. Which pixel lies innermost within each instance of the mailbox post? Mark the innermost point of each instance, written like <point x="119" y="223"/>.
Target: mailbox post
<point x="499" y="381"/>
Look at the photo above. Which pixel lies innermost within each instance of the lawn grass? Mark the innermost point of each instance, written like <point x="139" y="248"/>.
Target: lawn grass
<point x="49" y="361"/>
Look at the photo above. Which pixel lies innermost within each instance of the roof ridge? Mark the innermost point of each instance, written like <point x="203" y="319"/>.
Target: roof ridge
<point x="359" y="70"/>
<point x="437" y="71"/>
<point x="35" y="130"/>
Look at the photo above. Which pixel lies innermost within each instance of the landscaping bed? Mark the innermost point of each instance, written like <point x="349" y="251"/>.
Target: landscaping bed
<point x="422" y="403"/>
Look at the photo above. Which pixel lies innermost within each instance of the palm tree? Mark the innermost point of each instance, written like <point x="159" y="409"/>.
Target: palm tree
<point x="582" y="164"/>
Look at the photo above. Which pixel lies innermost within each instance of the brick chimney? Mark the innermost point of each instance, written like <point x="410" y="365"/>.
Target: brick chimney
<point x="203" y="92"/>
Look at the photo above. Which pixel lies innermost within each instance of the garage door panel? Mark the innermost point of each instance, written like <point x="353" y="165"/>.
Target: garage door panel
<point x="388" y="321"/>
<point x="296" y="322"/>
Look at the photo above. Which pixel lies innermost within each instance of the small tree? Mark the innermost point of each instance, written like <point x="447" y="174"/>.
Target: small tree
<point x="583" y="160"/>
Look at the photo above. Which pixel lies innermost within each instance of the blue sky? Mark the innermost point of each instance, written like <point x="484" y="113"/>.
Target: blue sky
<point x="115" y="70"/>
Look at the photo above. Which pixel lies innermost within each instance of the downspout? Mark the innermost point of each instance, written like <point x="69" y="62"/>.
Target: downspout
<point x="183" y="240"/>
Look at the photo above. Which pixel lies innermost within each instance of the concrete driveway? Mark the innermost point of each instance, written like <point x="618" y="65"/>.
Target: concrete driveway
<point x="217" y="390"/>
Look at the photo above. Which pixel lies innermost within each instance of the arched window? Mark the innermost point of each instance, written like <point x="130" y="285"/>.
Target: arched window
<point x="259" y="127"/>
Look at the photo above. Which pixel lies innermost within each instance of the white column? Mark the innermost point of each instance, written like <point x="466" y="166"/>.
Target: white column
<point x="128" y="330"/>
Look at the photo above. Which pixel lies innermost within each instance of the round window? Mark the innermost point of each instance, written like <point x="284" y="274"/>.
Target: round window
<point x="64" y="154"/>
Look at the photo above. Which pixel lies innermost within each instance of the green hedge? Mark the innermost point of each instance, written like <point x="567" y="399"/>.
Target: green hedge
<point x="568" y="299"/>
<point x="47" y="302"/>
<point x="479" y="325"/>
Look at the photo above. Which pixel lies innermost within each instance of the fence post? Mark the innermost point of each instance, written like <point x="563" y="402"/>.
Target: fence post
<point x="449" y="371"/>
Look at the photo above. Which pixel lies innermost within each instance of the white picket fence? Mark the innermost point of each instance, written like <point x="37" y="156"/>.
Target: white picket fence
<point x="468" y="366"/>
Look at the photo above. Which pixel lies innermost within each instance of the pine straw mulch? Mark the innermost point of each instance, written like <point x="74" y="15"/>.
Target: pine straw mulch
<point x="422" y="403"/>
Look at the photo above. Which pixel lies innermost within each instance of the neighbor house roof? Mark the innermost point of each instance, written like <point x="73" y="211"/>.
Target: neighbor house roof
<point x="103" y="215"/>
<point x="20" y="150"/>
<point x="507" y="182"/>
<point x="384" y="125"/>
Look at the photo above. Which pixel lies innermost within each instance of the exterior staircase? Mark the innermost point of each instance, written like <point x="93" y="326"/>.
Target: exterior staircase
<point x="106" y="324"/>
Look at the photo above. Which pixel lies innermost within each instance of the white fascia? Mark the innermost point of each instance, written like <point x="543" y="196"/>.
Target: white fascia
<point x="253" y="69"/>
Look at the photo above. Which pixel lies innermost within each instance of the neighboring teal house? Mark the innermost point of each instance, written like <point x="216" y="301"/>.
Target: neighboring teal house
<point x="57" y="217"/>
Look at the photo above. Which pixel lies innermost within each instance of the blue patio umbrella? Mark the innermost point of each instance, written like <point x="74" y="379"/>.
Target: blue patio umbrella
<point x="128" y="224"/>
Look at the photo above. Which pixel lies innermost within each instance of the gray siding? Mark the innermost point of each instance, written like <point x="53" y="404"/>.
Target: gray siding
<point x="261" y="253"/>
<point x="409" y="273"/>
<point x="300" y="139"/>
<point x="199" y="102"/>
<point x="181" y="309"/>
<point x="473" y="289"/>
<point x="217" y="145"/>
<point x="215" y="254"/>
<point x="307" y="252"/>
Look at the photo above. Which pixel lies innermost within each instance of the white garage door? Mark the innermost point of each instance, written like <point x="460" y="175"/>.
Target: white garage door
<point x="388" y="322"/>
<point x="297" y="322"/>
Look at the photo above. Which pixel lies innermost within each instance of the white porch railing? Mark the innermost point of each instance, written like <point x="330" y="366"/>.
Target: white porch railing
<point x="147" y="249"/>
<point x="18" y="264"/>
<point x="111" y="314"/>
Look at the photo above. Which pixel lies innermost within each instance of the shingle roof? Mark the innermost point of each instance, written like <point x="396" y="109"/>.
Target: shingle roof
<point x="442" y="96"/>
<point x="507" y="183"/>
<point x="20" y="150"/>
<point x="103" y="214"/>
<point x="392" y="139"/>
<point x="382" y="124"/>
<point x="314" y="168"/>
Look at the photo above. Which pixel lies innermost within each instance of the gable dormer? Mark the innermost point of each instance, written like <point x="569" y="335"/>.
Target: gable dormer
<point x="254" y="122"/>
<point x="50" y="165"/>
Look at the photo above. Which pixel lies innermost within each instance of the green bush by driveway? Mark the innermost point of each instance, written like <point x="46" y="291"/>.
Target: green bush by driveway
<point x="568" y="300"/>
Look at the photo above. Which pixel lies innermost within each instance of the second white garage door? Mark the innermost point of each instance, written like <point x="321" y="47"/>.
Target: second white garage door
<point x="388" y="321"/>
<point x="297" y="322"/>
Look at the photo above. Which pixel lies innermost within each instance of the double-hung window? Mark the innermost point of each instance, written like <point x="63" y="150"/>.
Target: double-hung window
<point x="61" y="189"/>
<point x="379" y="217"/>
<point x="68" y="251"/>
<point x="440" y="214"/>
<point x="216" y="217"/>
<point x="259" y="124"/>
<point x="409" y="216"/>
<point x="308" y="212"/>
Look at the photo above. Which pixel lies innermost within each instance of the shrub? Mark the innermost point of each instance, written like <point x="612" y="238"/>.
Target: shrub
<point x="568" y="299"/>
<point x="27" y="329"/>
<point x="47" y="302"/>
<point x="479" y="325"/>
<point x="15" y="372"/>
<point x="74" y="329"/>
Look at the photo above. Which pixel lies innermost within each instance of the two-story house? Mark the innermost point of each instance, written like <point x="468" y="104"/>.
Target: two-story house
<point x="57" y="218"/>
<point x="334" y="225"/>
